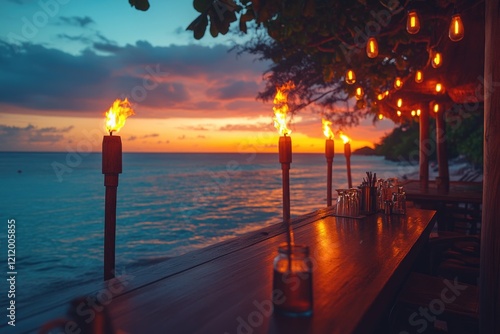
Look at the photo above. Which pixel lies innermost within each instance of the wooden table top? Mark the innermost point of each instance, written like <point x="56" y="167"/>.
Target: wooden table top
<point x="464" y="192"/>
<point x="358" y="266"/>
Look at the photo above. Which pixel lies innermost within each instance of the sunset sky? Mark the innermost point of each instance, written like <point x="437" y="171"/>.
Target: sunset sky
<point x="63" y="63"/>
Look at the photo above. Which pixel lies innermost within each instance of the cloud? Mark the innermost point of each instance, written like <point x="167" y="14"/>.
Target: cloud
<point x="75" y="21"/>
<point x="153" y="135"/>
<point x="234" y="89"/>
<point x="13" y="137"/>
<point x="166" y="81"/>
<point x="247" y="127"/>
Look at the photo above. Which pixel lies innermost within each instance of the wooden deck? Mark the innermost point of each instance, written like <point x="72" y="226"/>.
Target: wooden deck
<point x="359" y="265"/>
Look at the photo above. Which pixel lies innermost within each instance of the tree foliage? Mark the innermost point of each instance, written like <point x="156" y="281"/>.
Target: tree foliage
<point x="314" y="42"/>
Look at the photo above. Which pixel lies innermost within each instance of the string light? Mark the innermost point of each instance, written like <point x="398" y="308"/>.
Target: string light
<point x="456" y="31"/>
<point x="413" y="113"/>
<point x="398" y="83"/>
<point x="439" y="87"/>
<point x="400" y="103"/>
<point x="412" y="22"/>
<point x="399" y="113"/>
<point x="419" y="76"/>
<point x="436" y="108"/>
<point x="437" y="59"/>
<point x="380" y="116"/>
<point x="372" y="48"/>
<point x="380" y="96"/>
<point x="418" y="112"/>
<point x="359" y="93"/>
<point x="350" y="77"/>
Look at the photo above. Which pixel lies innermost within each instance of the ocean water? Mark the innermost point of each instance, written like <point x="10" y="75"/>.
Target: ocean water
<point x="168" y="204"/>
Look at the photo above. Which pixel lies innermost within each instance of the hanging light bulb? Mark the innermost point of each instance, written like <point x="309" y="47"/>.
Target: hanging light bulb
<point x="372" y="48"/>
<point x="380" y="96"/>
<point x="456" y="32"/>
<point x="436" y="108"/>
<point x="398" y="83"/>
<point x="399" y="113"/>
<point x="350" y="77"/>
<point x="437" y="59"/>
<point x="413" y="113"/>
<point x="418" y="112"/>
<point x="419" y="76"/>
<point x="400" y="103"/>
<point x="359" y="93"/>
<point x="439" y="87"/>
<point x="412" y="22"/>
<point x="380" y="116"/>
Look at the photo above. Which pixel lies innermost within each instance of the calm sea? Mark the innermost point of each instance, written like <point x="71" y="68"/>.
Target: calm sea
<point x="168" y="204"/>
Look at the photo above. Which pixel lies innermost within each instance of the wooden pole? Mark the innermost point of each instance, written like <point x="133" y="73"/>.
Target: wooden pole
<point x="111" y="167"/>
<point x="442" y="155"/>
<point x="329" y="154"/>
<point x="489" y="281"/>
<point x="423" y="150"/>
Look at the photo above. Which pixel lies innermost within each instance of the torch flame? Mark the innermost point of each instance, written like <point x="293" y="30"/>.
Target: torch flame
<point x="117" y="114"/>
<point x="281" y="108"/>
<point x="344" y="138"/>
<point x="327" y="131"/>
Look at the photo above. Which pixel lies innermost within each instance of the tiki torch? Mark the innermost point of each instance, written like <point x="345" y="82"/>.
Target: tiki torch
<point x="347" y="153"/>
<point x="111" y="167"/>
<point x="285" y="151"/>
<point x="329" y="154"/>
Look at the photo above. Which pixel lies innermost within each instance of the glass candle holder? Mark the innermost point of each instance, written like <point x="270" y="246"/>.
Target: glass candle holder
<point x="292" y="281"/>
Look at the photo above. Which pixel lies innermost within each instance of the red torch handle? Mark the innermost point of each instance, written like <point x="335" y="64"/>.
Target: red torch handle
<point x="110" y="232"/>
<point x="111" y="167"/>
<point x="329" y="154"/>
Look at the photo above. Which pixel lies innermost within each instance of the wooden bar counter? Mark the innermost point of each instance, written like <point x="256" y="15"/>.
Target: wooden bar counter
<point x="358" y="267"/>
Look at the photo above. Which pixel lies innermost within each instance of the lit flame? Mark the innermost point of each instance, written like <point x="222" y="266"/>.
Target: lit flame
<point x="327" y="131"/>
<point x="281" y="108"/>
<point x="344" y="138"/>
<point x="117" y="114"/>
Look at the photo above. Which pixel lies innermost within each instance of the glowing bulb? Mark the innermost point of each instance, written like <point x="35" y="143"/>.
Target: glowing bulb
<point x="400" y="103"/>
<point x="437" y="60"/>
<point x="436" y="108"/>
<point x="386" y="92"/>
<point x="439" y="87"/>
<point x="413" y="113"/>
<point x="456" y="32"/>
<point x="412" y="22"/>
<point x="350" y="77"/>
<point x="372" y="48"/>
<point x="380" y="116"/>
<point x="359" y="93"/>
<point x="419" y="76"/>
<point x="398" y="83"/>
<point x="380" y="96"/>
<point x="399" y="113"/>
<point x="418" y="112"/>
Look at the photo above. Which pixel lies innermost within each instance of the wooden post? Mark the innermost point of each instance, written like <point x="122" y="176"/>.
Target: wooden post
<point x="442" y="155"/>
<point x="423" y="149"/>
<point x="489" y="281"/>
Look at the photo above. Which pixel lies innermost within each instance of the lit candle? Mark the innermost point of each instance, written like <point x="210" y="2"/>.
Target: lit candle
<point x="111" y="167"/>
<point x="329" y="154"/>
